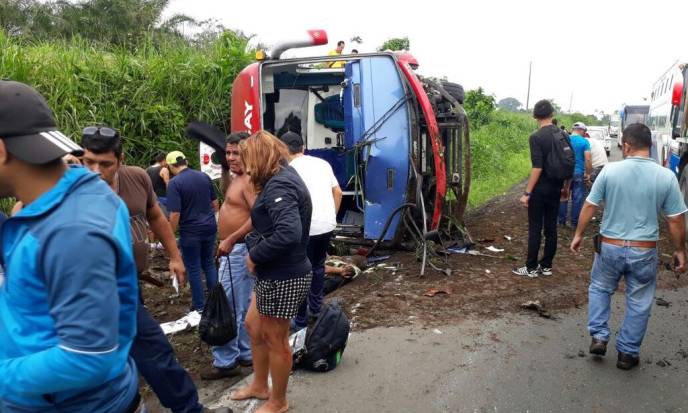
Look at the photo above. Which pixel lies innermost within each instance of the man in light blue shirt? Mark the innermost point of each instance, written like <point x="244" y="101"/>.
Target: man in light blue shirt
<point x="634" y="191"/>
<point x="581" y="173"/>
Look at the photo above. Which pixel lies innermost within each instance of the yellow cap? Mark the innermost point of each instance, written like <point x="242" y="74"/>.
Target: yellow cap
<point x="174" y="157"/>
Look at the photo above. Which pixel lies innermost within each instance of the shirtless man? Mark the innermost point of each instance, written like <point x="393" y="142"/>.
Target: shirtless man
<point x="234" y="223"/>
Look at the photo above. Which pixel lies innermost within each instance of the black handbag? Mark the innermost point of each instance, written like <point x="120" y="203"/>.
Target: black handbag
<point x="218" y="321"/>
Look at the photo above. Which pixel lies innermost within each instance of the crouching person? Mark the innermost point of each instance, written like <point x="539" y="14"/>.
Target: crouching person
<point x="277" y="256"/>
<point x="69" y="296"/>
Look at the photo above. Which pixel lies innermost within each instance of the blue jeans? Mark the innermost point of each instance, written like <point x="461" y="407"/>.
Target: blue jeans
<point x="639" y="267"/>
<point x="239" y="348"/>
<point x="155" y="360"/>
<point x="197" y="253"/>
<point x="576" y="201"/>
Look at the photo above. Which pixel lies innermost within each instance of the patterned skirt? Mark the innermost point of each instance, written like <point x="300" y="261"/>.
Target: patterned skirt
<point x="282" y="298"/>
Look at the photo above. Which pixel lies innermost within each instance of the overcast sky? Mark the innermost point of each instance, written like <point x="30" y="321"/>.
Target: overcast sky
<point x="603" y="53"/>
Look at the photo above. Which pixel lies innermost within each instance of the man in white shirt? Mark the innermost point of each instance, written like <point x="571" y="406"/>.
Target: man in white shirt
<point x="326" y="196"/>
<point x="599" y="157"/>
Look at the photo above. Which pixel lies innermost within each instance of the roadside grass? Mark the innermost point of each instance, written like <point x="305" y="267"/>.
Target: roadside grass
<point x="501" y="157"/>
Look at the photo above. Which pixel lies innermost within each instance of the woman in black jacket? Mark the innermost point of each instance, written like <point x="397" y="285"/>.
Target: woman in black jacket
<point x="281" y="218"/>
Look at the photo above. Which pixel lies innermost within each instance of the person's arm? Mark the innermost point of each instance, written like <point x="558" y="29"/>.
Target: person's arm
<point x="165" y="175"/>
<point x="174" y="205"/>
<point x="588" y="164"/>
<point x="213" y="196"/>
<point x="163" y="231"/>
<point x="677" y="233"/>
<point x="283" y="207"/>
<point x="16" y="208"/>
<point x="537" y="160"/>
<point x="596" y="196"/>
<point x="227" y="244"/>
<point x="174" y="221"/>
<point x="674" y="208"/>
<point x="79" y="268"/>
<point x="337" y="195"/>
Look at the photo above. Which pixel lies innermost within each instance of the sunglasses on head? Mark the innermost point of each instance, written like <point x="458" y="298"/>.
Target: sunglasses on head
<point x="92" y="131"/>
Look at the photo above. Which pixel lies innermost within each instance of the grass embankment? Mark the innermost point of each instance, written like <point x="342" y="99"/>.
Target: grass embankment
<point x="501" y="156"/>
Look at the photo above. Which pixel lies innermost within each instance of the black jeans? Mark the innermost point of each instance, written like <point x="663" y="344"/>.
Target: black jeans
<point x="317" y="254"/>
<point x="543" y="208"/>
<point x="155" y="360"/>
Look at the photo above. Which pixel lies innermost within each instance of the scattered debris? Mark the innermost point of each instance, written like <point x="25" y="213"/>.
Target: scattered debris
<point x="436" y="331"/>
<point x="682" y="353"/>
<point x="435" y="291"/>
<point x="494" y="249"/>
<point x="663" y="303"/>
<point x="508" y="238"/>
<point x="569" y="356"/>
<point x="536" y="306"/>
<point x="188" y="321"/>
<point x="485" y="240"/>
<point x="663" y="363"/>
<point x="372" y="260"/>
<point x="581" y="353"/>
<point x="488" y="272"/>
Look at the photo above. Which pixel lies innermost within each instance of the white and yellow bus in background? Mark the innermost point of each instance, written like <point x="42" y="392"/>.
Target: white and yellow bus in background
<point x="664" y="105"/>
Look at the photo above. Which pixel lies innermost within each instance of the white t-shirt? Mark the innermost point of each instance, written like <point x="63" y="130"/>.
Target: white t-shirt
<point x="319" y="179"/>
<point x="597" y="153"/>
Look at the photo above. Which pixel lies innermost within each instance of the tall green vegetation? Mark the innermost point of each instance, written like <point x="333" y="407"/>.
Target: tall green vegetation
<point x="148" y="94"/>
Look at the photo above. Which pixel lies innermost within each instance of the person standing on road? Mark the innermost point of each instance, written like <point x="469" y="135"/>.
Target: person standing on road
<point x="581" y="174"/>
<point x="281" y="218"/>
<point x="69" y="295"/>
<point x="629" y="241"/>
<point x="326" y="196"/>
<point x="151" y="350"/>
<point x="598" y="158"/>
<point x="542" y="195"/>
<point x="192" y="203"/>
<point x="234" y="223"/>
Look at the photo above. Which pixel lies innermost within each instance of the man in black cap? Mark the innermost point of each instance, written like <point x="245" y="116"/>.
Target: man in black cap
<point x="326" y="196"/>
<point x="69" y="296"/>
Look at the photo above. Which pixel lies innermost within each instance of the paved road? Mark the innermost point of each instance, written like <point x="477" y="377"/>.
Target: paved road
<point x="616" y="152"/>
<point x="520" y="363"/>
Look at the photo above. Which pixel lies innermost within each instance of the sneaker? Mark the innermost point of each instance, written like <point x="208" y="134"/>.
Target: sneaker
<point x="598" y="347"/>
<point x="627" y="361"/>
<point x="546" y="271"/>
<point x="525" y="272"/>
<point x="217" y="373"/>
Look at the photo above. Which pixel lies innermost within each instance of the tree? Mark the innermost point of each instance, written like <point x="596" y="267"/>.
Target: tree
<point x="510" y="104"/>
<point x="555" y="105"/>
<point x="396" y="43"/>
<point x="479" y="107"/>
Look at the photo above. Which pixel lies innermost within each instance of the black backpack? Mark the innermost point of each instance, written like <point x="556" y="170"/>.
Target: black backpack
<point x="325" y="340"/>
<point x="561" y="161"/>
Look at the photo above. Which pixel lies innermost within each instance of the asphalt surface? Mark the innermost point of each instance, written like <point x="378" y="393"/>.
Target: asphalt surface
<point x="520" y="362"/>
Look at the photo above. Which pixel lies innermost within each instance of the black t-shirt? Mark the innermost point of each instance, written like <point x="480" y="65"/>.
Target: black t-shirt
<point x="540" y="146"/>
<point x="159" y="186"/>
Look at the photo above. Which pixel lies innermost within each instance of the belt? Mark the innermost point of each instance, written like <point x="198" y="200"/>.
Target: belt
<point x="624" y="243"/>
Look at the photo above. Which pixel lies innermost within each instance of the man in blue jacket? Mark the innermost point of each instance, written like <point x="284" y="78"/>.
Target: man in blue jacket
<point x="69" y="296"/>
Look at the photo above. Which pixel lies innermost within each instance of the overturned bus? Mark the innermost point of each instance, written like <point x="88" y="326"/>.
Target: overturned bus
<point x="397" y="143"/>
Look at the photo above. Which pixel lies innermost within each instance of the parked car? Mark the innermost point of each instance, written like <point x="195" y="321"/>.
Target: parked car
<point x="601" y="133"/>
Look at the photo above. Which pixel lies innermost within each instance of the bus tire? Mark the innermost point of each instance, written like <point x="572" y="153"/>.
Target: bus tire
<point x="455" y="90"/>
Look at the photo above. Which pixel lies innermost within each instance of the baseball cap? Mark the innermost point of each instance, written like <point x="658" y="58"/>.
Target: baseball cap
<point x="28" y="128"/>
<point x="293" y="140"/>
<point x="579" y="125"/>
<point x="174" y="157"/>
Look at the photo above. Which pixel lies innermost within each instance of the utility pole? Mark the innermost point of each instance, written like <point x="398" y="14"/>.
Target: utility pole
<point x="571" y="102"/>
<point x="530" y="69"/>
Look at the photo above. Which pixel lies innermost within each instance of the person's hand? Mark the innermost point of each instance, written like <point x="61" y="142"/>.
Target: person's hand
<point x="524" y="200"/>
<point x="565" y="194"/>
<point x="178" y="270"/>
<point x="250" y="265"/>
<point x="576" y="243"/>
<point x="225" y="246"/>
<point x="680" y="260"/>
